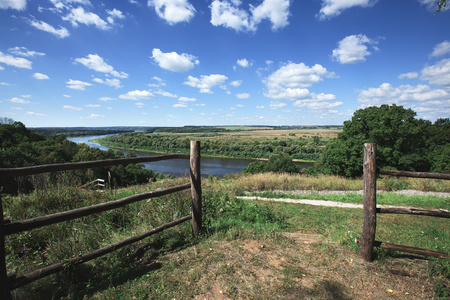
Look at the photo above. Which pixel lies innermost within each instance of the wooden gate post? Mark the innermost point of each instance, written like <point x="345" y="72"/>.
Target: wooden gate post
<point x="4" y="282"/>
<point x="196" y="187"/>
<point x="370" y="202"/>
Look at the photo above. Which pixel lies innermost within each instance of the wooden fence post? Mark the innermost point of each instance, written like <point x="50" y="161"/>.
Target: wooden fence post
<point x="370" y="202"/>
<point x="196" y="187"/>
<point x="4" y="282"/>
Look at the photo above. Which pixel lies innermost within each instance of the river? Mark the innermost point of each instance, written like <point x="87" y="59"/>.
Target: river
<point x="215" y="166"/>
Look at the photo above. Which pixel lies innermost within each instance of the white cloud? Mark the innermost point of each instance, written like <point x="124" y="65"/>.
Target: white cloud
<point x="93" y="116"/>
<point x="236" y="83"/>
<point x="67" y="96"/>
<point x="23" y="51"/>
<point x="173" y="61"/>
<point x="333" y="8"/>
<point x="18" y="62"/>
<point x="402" y="95"/>
<point x="73" y="108"/>
<point x="137" y="95"/>
<point x="317" y="104"/>
<point x="93" y="105"/>
<point x="243" y="96"/>
<point x="14" y="4"/>
<point x="62" y="32"/>
<point x="40" y="76"/>
<point x="243" y="63"/>
<point x="166" y="94"/>
<point x="114" y="14"/>
<point x="186" y="99"/>
<point x="276" y="11"/>
<point x="173" y="11"/>
<point x="114" y="82"/>
<point x="105" y="99"/>
<point x="260" y="107"/>
<point x="228" y="14"/>
<point x="205" y="83"/>
<point x="31" y="113"/>
<point x="96" y="63"/>
<point x="18" y="100"/>
<point x="79" y="16"/>
<point x="441" y="49"/>
<point x="409" y="75"/>
<point x="77" y="84"/>
<point x="276" y="105"/>
<point x="438" y="74"/>
<point x="289" y="82"/>
<point x="178" y="105"/>
<point x="352" y="49"/>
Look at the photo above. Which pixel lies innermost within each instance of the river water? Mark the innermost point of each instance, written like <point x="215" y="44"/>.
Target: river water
<point x="208" y="165"/>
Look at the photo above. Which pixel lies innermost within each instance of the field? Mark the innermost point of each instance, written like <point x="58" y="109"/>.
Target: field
<point x="248" y="250"/>
<point x="263" y="133"/>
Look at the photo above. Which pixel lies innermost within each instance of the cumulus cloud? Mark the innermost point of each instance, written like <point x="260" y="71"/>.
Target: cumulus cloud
<point x="228" y="13"/>
<point x="333" y="8"/>
<point x="73" y="108"/>
<point x="276" y="11"/>
<point x="276" y="105"/>
<point x="352" y="49"/>
<point x="31" y="113"/>
<point x="93" y="116"/>
<point x="166" y="94"/>
<point x="441" y="49"/>
<point x="114" y="14"/>
<point x="23" y="51"/>
<point x="18" y="100"/>
<point x="80" y="16"/>
<point x="243" y="63"/>
<point x="402" y="95"/>
<point x="289" y="82"/>
<point x="236" y="83"/>
<point x="173" y="11"/>
<point x="137" y="95"/>
<point x="438" y="74"/>
<point x="186" y="99"/>
<point x="173" y="61"/>
<point x="243" y="96"/>
<point x="77" y="84"/>
<point x="14" y="4"/>
<point x="409" y="75"/>
<point x="206" y="83"/>
<point x="62" y="32"/>
<point x="96" y="63"/>
<point x="18" y="62"/>
<point x="40" y="76"/>
<point x="114" y="82"/>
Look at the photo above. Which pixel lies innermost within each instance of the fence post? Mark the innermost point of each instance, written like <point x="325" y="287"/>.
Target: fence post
<point x="4" y="282"/>
<point x="196" y="187"/>
<point x="370" y="202"/>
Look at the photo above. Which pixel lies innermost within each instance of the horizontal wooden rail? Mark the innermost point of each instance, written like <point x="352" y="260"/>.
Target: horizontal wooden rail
<point x="414" y="174"/>
<point x="35" y="275"/>
<point x="37" y="222"/>
<point x="23" y="171"/>
<point x="408" y="249"/>
<point x="442" y="213"/>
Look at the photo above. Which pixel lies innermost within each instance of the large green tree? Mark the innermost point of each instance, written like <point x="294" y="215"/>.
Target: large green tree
<point x="403" y="142"/>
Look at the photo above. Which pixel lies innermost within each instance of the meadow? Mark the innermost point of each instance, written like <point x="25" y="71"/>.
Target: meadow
<point x="248" y="249"/>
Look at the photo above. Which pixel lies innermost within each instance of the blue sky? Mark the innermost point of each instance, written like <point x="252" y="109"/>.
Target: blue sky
<point x="220" y="62"/>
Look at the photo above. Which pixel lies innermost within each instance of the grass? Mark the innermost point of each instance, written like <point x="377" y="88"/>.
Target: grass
<point x="248" y="250"/>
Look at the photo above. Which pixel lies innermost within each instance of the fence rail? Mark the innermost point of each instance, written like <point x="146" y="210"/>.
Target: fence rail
<point x="367" y="240"/>
<point x="11" y="281"/>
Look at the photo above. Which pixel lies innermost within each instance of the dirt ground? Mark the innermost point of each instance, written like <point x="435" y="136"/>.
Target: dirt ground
<point x="302" y="266"/>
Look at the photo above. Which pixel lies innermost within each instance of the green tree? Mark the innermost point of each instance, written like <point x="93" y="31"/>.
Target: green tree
<point x="441" y="5"/>
<point x="278" y="163"/>
<point x="401" y="140"/>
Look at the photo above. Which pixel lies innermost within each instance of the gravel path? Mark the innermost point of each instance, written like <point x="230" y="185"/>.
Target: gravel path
<point x="335" y="203"/>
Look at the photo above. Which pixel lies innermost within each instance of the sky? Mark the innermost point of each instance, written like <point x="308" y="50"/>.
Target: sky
<point x="71" y="63"/>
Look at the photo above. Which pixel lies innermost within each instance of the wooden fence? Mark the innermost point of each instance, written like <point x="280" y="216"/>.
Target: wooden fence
<point x="367" y="241"/>
<point x="11" y="281"/>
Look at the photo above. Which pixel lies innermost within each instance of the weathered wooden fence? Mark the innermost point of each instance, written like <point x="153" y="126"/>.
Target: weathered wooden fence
<point x="367" y="241"/>
<point x="11" y="281"/>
